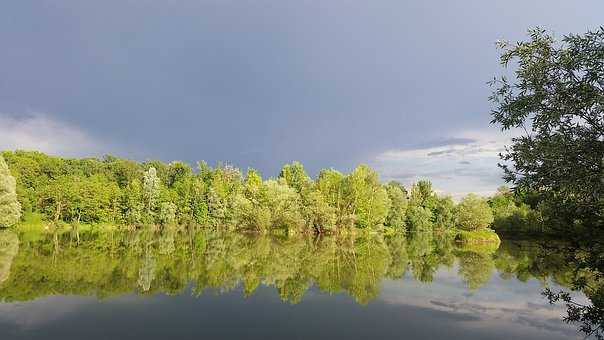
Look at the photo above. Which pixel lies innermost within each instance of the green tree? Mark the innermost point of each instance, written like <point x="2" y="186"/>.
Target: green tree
<point x="123" y="170"/>
<point x="167" y="213"/>
<point x="502" y="203"/>
<point x="473" y="213"/>
<point x="251" y="210"/>
<point x="151" y="190"/>
<point x="295" y="176"/>
<point x="330" y="186"/>
<point x="444" y="213"/>
<point x="419" y="218"/>
<point x="177" y="172"/>
<point x="318" y="214"/>
<point x="132" y="206"/>
<point x="225" y="187"/>
<point x="398" y="204"/>
<point x="253" y="182"/>
<point x="10" y="208"/>
<point x="283" y="202"/>
<point x="199" y="204"/>
<point x="422" y="195"/>
<point x="557" y="98"/>
<point x="365" y="198"/>
<point x="59" y="199"/>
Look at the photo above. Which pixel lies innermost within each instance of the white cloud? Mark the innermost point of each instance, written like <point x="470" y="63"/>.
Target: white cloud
<point x="460" y="165"/>
<point x="44" y="133"/>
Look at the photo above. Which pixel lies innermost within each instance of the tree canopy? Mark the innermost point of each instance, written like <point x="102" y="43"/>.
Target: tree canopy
<point x="556" y="98"/>
<point x="10" y="209"/>
<point x="130" y="194"/>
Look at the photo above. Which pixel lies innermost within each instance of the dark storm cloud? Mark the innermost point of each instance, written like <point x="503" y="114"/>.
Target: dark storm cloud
<point x="265" y="82"/>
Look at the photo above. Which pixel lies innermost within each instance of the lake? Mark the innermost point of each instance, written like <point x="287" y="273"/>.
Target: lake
<point x="192" y="284"/>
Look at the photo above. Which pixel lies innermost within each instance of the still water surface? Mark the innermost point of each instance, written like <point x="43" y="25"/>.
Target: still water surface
<point x="211" y="285"/>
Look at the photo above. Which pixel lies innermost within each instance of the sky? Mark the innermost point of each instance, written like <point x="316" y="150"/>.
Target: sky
<point x="399" y="85"/>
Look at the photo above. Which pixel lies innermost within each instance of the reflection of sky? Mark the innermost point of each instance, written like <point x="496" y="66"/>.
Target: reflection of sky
<point x="445" y="308"/>
<point x="455" y="166"/>
<point x="498" y="304"/>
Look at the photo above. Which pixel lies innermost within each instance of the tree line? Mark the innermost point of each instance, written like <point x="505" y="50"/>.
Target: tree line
<point x="132" y="194"/>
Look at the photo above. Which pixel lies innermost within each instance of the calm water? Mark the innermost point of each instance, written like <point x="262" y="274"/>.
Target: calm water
<point x="193" y="285"/>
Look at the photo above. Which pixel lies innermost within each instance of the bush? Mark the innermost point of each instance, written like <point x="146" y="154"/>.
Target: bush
<point x="473" y="213"/>
<point x="477" y="237"/>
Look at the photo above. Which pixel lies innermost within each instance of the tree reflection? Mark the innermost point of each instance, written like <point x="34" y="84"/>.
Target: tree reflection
<point x="168" y="261"/>
<point x="9" y="245"/>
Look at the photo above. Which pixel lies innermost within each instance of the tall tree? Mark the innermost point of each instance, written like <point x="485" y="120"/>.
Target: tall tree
<point x="295" y="176"/>
<point x="151" y="187"/>
<point x="422" y="195"/>
<point x="10" y="209"/>
<point x="557" y="99"/>
<point x="398" y="204"/>
<point x="365" y="198"/>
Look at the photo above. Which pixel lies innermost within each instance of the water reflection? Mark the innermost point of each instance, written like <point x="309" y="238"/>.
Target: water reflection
<point x="155" y="285"/>
<point x="9" y="245"/>
<point x="149" y="262"/>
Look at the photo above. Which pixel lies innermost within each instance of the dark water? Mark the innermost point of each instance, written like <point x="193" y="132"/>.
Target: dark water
<point x="210" y="285"/>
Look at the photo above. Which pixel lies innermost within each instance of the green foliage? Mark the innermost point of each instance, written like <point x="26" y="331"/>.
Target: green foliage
<point x="422" y="195"/>
<point x="133" y="195"/>
<point x="9" y="246"/>
<point x="269" y="205"/>
<point x="197" y="203"/>
<point x="473" y="213"/>
<point x="10" y="208"/>
<point x="444" y="213"/>
<point x="151" y="190"/>
<point x="167" y="213"/>
<point x="132" y="206"/>
<point x="557" y="98"/>
<point x="365" y="199"/>
<point x="419" y="218"/>
<point x="72" y="198"/>
<point x="225" y="187"/>
<point x="284" y="204"/>
<point x="295" y="176"/>
<point x="513" y="217"/>
<point x="475" y="268"/>
<point x="150" y="261"/>
<point x="177" y="172"/>
<point x="319" y="215"/>
<point x="398" y="205"/>
<point x="479" y="237"/>
<point x="330" y="187"/>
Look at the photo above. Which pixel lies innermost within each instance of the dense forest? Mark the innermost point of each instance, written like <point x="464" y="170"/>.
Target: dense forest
<point x="130" y="195"/>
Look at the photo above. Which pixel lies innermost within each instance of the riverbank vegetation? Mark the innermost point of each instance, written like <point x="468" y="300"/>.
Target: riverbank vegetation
<point x="125" y="194"/>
